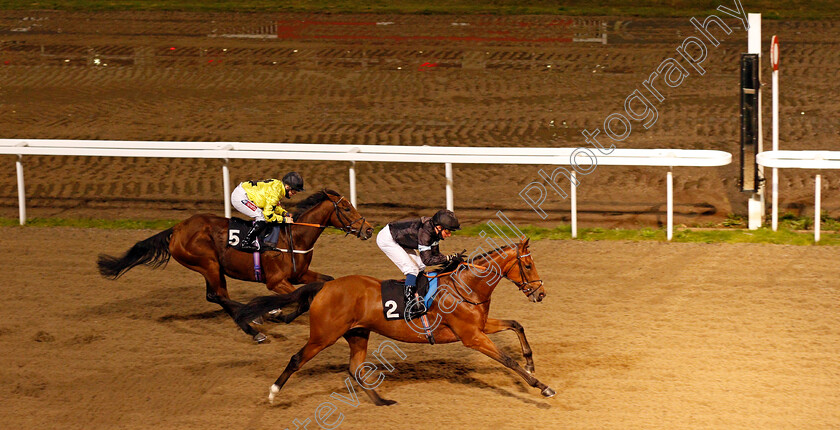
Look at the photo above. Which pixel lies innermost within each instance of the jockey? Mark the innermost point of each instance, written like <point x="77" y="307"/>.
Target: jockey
<point x="261" y="200"/>
<point x="403" y="240"/>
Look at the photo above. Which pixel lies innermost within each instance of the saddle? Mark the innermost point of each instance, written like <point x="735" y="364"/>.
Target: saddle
<point x="393" y="297"/>
<point x="237" y="228"/>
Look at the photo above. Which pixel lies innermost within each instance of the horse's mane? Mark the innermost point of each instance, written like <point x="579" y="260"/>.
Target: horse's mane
<point x="488" y="253"/>
<point x="451" y="266"/>
<point x="312" y="201"/>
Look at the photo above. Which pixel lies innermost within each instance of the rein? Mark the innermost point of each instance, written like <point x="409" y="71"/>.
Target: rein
<point x="521" y="285"/>
<point x="346" y="227"/>
<point x="306" y="224"/>
<point x="466" y="300"/>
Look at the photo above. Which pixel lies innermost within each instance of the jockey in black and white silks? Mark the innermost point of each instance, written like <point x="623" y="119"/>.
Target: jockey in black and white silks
<point x="413" y="244"/>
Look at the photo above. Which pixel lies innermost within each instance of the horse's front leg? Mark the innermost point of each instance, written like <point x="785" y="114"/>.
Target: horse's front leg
<point x="480" y="342"/>
<point x="495" y="326"/>
<point x="311" y="276"/>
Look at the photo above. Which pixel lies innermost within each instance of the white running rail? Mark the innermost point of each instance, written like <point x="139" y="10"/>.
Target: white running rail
<point x="357" y="153"/>
<point x="803" y="160"/>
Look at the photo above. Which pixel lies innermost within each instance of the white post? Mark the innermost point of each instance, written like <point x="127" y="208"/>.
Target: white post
<point x="756" y="203"/>
<point x="226" y="186"/>
<point x="774" y="59"/>
<point x="21" y="189"/>
<point x="670" y="217"/>
<point x="352" y="174"/>
<point x="574" y="204"/>
<point x="353" y="183"/>
<point x="817" y="186"/>
<point x="450" y="199"/>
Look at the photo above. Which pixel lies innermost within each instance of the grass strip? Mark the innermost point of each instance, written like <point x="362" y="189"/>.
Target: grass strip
<point x="784" y="236"/>
<point x="91" y="223"/>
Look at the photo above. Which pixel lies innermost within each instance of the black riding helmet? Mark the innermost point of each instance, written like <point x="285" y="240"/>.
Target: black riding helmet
<point x="446" y="219"/>
<point x="294" y="181"/>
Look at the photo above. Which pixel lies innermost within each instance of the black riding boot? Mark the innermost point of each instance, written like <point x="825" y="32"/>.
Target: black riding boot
<point x="414" y="306"/>
<point x="410" y="287"/>
<point x="249" y="242"/>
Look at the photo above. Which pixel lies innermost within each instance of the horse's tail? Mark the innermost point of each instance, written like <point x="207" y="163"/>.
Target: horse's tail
<point x="152" y="252"/>
<point x="260" y="305"/>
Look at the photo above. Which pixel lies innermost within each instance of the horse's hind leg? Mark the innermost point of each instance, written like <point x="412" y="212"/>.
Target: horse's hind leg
<point x="358" y="340"/>
<point x="495" y="326"/>
<point x="220" y="297"/>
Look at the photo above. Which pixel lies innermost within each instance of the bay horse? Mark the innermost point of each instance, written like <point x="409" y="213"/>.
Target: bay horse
<point x="351" y="306"/>
<point x="200" y="243"/>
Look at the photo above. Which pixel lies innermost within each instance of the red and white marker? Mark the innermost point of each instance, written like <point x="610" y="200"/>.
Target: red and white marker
<point x="774" y="52"/>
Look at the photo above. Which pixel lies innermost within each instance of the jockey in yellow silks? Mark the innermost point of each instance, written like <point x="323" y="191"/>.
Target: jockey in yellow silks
<point x="261" y="200"/>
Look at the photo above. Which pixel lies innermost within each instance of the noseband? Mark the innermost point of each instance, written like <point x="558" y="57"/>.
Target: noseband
<point x="347" y="227"/>
<point x="524" y="284"/>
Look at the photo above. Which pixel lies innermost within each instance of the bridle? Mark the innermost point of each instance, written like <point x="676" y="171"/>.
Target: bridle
<point x="524" y="284"/>
<point x="347" y="227"/>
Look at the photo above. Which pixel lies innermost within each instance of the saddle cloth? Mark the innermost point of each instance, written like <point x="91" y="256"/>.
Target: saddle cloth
<point x="393" y="296"/>
<point x="237" y="228"/>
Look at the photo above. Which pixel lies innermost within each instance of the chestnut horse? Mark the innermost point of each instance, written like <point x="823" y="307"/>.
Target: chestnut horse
<point x="200" y="243"/>
<point x="351" y="306"/>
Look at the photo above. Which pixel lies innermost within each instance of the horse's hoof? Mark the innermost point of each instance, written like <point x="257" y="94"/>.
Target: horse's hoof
<point x="548" y="392"/>
<point x="274" y="316"/>
<point x="272" y="392"/>
<point x="530" y="368"/>
<point x="386" y="402"/>
<point x="260" y="338"/>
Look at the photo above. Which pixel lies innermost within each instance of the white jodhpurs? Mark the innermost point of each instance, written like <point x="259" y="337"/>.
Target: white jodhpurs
<point x="239" y="200"/>
<point x="407" y="263"/>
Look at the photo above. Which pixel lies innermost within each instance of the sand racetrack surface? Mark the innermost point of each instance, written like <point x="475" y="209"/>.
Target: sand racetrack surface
<point x="631" y="335"/>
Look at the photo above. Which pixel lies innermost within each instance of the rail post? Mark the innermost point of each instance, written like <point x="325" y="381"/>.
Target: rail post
<point x="21" y="189"/>
<point x="352" y="175"/>
<point x="226" y="180"/>
<point x="669" y="181"/>
<point x="574" y="203"/>
<point x="817" y="189"/>
<point x="450" y="198"/>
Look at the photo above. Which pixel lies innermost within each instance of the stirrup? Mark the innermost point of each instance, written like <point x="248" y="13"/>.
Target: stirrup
<point x="418" y="309"/>
<point x="249" y="247"/>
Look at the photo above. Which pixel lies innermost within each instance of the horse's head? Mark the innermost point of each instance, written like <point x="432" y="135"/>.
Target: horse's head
<point x="345" y="217"/>
<point x="523" y="272"/>
<point x="331" y="209"/>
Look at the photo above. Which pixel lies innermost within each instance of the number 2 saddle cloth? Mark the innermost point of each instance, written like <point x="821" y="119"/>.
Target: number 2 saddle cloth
<point x="393" y="296"/>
